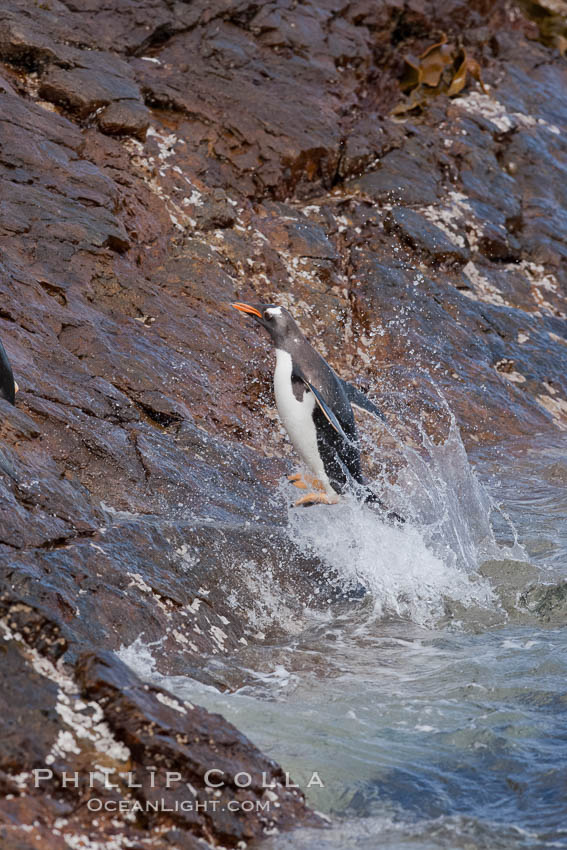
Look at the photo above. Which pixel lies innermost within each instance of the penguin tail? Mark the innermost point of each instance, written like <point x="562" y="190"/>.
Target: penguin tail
<point x="371" y="498"/>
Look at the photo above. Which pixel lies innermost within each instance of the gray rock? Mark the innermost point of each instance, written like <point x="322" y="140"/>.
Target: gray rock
<point x="419" y="232"/>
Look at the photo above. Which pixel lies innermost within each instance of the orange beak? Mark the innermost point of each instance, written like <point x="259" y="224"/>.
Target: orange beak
<point x="246" y="308"/>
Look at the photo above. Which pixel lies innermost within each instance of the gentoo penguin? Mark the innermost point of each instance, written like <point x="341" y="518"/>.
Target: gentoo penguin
<point x="8" y="387"/>
<point x="315" y="407"/>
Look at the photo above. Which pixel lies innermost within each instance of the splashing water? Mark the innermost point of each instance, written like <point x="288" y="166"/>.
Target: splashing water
<point x="449" y="503"/>
<point x="394" y="564"/>
<point x="409" y="570"/>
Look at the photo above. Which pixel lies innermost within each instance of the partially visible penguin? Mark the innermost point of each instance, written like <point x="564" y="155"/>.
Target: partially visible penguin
<point x="315" y="407"/>
<point x="8" y="387"/>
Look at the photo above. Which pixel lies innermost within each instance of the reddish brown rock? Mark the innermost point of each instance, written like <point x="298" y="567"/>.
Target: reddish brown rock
<point x="185" y="739"/>
<point x="92" y="743"/>
<point x="124" y="118"/>
<point x="84" y="90"/>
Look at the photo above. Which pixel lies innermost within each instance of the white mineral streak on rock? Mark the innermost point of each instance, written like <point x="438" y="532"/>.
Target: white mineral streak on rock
<point x="483" y="289"/>
<point x="477" y="103"/>
<point x="152" y="168"/>
<point x="85" y="720"/>
<point x="171" y="702"/>
<point x="453" y="216"/>
<point x="557" y="407"/>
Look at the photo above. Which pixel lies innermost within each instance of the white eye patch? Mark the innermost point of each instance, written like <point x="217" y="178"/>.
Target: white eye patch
<point x="274" y="311"/>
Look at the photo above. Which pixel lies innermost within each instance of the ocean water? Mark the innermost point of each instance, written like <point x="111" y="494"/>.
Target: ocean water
<point x="434" y="707"/>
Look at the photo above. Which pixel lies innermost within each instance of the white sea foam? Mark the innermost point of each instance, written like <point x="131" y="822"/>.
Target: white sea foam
<point x="395" y="564"/>
<point x="411" y="569"/>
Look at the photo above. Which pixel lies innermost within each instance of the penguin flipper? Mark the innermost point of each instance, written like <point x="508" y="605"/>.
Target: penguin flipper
<point x="359" y="400"/>
<point x="7" y="383"/>
<point x="325" y="409"/>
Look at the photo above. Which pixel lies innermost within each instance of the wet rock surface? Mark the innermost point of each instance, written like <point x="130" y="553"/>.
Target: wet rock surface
<point x="156" y="162"/>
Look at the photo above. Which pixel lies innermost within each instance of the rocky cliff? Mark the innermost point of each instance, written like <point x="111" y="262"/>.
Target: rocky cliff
<point x="395" y="173"/>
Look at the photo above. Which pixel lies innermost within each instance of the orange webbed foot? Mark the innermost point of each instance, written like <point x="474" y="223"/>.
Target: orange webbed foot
<point x="298" y="480"/>
<point x="319" y="498"/>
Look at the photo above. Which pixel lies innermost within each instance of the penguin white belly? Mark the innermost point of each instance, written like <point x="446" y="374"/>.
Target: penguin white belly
<point x="297" y="418"/>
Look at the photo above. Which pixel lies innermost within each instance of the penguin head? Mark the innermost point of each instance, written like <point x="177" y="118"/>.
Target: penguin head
<point x="279" y="323"/>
